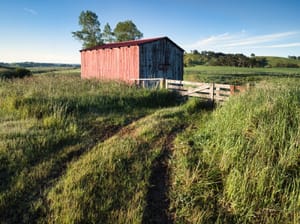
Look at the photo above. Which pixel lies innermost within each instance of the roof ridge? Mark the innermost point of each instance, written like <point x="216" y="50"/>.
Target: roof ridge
<point x="128" y="43"/>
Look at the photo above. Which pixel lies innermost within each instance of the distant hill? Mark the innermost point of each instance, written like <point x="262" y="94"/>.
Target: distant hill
<point x="37" y="64"/>
<point x="280" y="61"/>
<point x="4" y="67"/>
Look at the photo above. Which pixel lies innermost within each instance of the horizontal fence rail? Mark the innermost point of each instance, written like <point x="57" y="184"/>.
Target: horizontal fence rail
<point x="210" y="91"/>
<point x="150" y="83"/>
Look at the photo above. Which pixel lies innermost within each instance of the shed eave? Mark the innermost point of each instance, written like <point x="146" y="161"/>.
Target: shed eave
<point x="130" y="43"/>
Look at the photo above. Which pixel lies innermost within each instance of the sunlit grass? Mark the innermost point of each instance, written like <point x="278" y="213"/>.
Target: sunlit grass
<point x="242" y="163"/>
<point x="237" y="75"/>
<point x="48" y="121"/>
<point x="109" y="184"/>
<point x="81" y="151"/>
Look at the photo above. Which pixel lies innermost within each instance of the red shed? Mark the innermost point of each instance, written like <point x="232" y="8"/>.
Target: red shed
<point x="123" y="61"/>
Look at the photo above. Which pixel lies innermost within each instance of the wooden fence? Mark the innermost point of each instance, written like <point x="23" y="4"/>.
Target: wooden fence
<point x="150" y="83"/>
<point x="211" y="91"/>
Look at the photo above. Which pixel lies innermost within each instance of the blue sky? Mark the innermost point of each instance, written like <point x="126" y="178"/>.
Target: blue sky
<point x="36" y="30"/>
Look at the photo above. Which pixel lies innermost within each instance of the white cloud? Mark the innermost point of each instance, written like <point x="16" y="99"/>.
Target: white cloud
<point x="284" y="45"/>
<point x="216" y="40"/>
<point x="262" y="39"/>
<point x="242" y="41"/>
<point x="31" y="11"/>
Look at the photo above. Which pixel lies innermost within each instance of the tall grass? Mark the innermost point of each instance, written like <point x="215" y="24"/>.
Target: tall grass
<point x="109" y="184"/>
<point x="38" y="95"/>
<point x="49" y="121"/>
<point x="243" y="163"/>
<point x="79" y="151"/>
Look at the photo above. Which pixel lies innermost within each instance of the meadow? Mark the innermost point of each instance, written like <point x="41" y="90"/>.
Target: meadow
<point x="237" y="75"/>
<point x="84" y="151"/>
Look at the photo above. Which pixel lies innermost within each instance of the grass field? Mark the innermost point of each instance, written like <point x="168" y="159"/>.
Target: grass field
<point x="54" y="70"/>
<point x="47" y="122"/>
<point x="79" y="151"/>
<point x="274" y="61"/>
<point x="237" y="75"/>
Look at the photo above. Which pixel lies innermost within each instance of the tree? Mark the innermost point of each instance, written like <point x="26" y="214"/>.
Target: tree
<point x="127" y="30"/>
<point x="195" y="52"/>
<point x="90" y="34"/>
<point x="252" y="55"/>
<point x="253" y="62"/>
<point x="108" y="35"/>
<point x="292" y="57"/>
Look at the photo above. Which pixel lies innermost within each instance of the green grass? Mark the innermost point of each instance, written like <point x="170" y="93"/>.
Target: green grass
<point x="54" y="70"/>
<point x="109" y="184"/>
<point x="83" y="151"/>
<point x="241" y="164"/>
<point x="236" y="75"/>
<point x="49" y="121"/>
<point x="274" y="61"/>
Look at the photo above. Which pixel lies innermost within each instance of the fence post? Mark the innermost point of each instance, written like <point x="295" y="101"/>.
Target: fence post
<point x="212" y="91"/>
<point x="248" y="86"/>
<point x="232" y="89"/>
<point x="162" y="83"/>
<point x="217" y="97"/>
<point x="143" y="83"/>
<point x="166" y="84"/>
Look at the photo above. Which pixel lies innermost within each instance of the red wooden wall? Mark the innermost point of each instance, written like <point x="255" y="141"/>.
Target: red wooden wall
<point x="120" y="63"/>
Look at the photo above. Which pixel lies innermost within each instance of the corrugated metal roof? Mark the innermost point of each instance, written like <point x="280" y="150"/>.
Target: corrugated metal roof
<point x="129" y="43"/>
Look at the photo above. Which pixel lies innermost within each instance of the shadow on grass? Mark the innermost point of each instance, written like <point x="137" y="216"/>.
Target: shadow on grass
<point x="29" y="203"/>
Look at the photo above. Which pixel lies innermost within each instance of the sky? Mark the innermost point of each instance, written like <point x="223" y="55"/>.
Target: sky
<point x="40" y="30"/>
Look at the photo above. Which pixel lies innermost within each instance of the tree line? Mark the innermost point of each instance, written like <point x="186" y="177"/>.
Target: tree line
<point x="222" y="59"/>
<point x="237" y="60"/>
<point x="294" y="57"/>
<point x="91" y="35"/>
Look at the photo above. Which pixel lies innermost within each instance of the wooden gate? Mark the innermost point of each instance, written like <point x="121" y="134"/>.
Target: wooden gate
<point x="211" y="91"/>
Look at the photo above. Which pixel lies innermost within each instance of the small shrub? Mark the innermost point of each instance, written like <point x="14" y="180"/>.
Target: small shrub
<point x="15" y="73"/>
<point x="22" y="72"/>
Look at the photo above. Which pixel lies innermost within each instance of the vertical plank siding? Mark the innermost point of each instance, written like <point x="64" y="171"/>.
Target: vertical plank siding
<point x="120" y="64"/>
<point x="161" y="59"/>
<point x="124" y="61"/>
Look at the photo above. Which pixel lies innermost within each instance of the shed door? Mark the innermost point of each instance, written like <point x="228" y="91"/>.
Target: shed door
<point x="164" y="67"/>
<point x="164" y="70"/>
